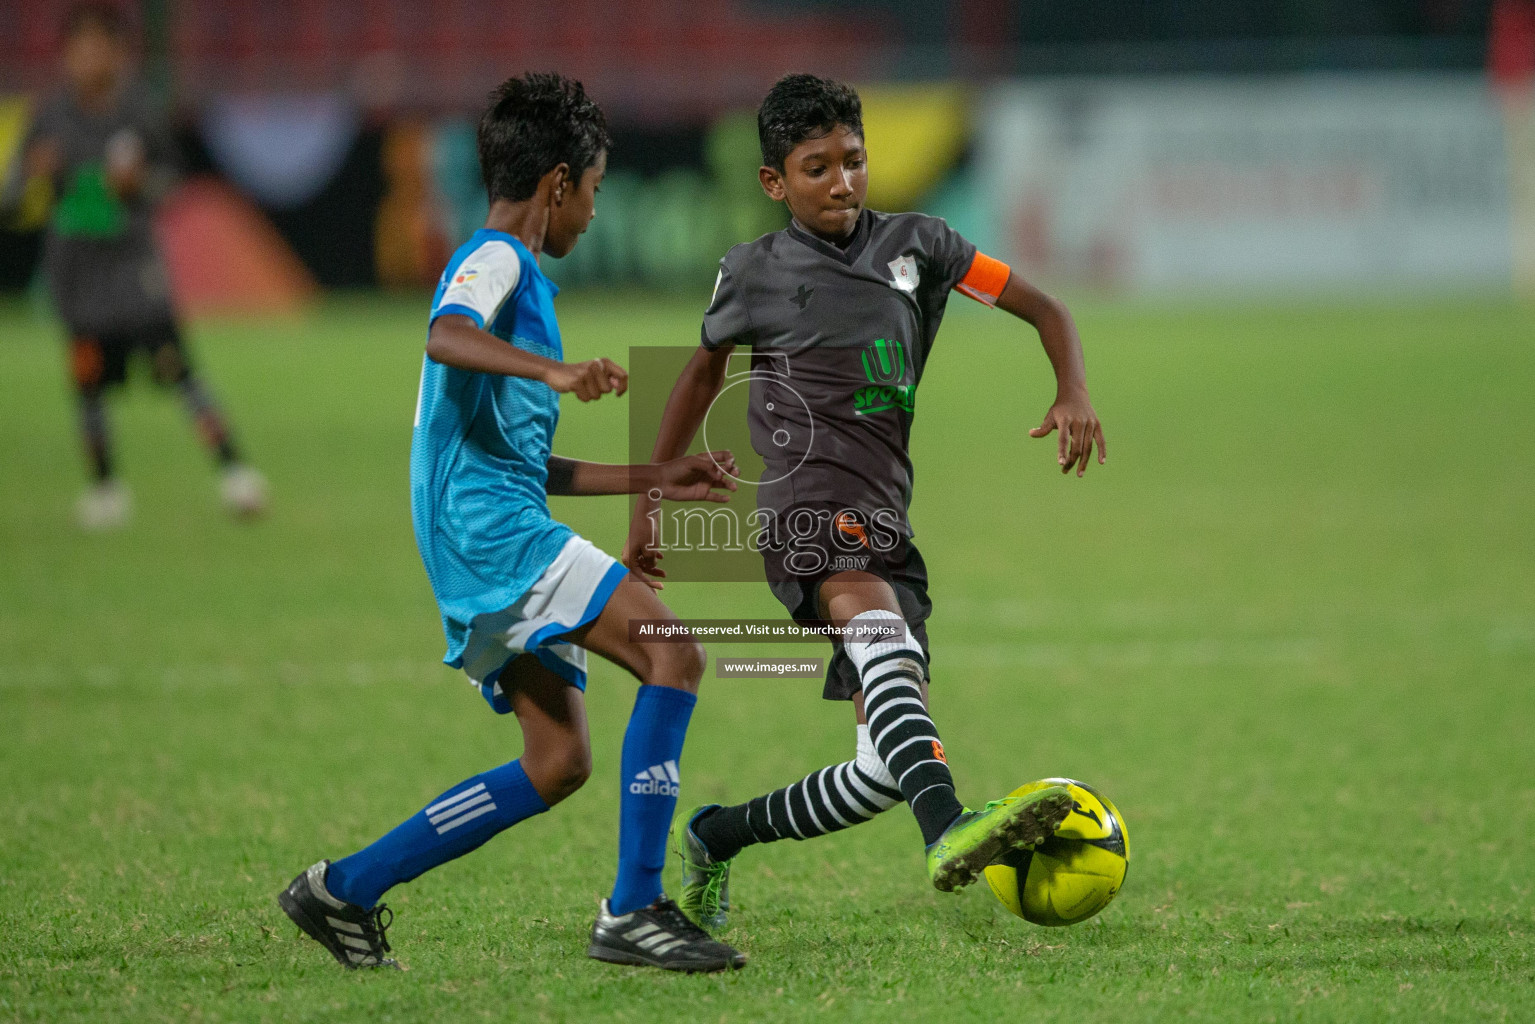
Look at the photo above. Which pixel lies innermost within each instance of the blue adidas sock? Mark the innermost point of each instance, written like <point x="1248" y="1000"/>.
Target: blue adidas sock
<point x="458" y="821"/>
<point x="652" y="747"/>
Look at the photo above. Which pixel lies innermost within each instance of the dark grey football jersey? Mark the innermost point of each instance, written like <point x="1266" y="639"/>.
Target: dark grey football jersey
<point x="839" y="338"/>
<point x="100" y="257"/>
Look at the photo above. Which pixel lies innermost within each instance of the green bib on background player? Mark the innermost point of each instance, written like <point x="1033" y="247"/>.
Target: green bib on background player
<point x="89" y="208"/>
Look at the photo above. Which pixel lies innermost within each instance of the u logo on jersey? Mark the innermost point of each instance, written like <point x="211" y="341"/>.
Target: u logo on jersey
<point x="884" y="363"/>
<point x="888" y="362"/>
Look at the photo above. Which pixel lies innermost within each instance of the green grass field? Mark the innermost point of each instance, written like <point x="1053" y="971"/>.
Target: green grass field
<point x="1289" y="628"/>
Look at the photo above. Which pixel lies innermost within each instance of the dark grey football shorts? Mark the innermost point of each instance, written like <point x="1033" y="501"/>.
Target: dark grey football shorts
<point x="796" y="580"/>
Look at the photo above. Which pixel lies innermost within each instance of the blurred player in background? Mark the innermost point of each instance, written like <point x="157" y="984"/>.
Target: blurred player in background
<point x="522" y="597"/>
<point x="105" y="152"/>
<point x="840" y="310"/>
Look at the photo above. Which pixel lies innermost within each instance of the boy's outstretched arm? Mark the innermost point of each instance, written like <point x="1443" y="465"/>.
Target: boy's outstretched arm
<point x="696" y="388"/>
<point x="690" y="478"/>
<point x="40" y="165"/>
<point x="1072" y="412"/>
<point x="455" y="341"/>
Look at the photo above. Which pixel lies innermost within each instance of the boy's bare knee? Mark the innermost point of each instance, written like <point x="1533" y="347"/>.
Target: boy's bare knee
<point x="685" y="666"/>
<point x="679" y="666"/>
<point x="693" y="661"/>
<point x="558" y="773"/>
<point x="574" y="769"/>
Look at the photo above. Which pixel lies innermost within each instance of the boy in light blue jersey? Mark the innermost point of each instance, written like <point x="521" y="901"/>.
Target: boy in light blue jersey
<point x="522" y="597"/>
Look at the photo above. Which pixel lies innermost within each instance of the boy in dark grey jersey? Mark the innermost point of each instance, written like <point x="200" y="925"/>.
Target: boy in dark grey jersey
<point x="840" y="310"/>
<point x="103" y="150"/>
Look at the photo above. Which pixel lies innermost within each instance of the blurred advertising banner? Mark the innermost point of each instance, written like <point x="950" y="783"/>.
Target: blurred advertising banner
<point x="1205" y="184"/>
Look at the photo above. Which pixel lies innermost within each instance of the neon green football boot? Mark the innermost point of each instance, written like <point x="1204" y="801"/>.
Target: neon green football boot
<point x="978" y="838"/>
<point x="705" y="895"/>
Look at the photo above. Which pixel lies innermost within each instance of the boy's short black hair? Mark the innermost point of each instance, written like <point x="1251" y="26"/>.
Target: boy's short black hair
<point x="801" y="107"/>
<point x="533" y="124"/>
<point x="97" y="15"/>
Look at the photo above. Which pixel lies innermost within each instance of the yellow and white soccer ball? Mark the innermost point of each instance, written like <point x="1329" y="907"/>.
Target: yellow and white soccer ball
<point x="1073" y="874"/>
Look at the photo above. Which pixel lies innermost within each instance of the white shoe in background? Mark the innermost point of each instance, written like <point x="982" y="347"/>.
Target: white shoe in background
<point x="243" y="490"/>
<point x="104" y="506"/>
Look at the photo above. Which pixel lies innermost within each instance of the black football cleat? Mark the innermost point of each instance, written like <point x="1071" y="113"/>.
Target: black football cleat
<point x="354" y="935"/>
<point x="659" y="935"/>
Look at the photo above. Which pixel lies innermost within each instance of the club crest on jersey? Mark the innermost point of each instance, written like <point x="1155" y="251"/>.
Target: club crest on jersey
<point x="903" y="272"/>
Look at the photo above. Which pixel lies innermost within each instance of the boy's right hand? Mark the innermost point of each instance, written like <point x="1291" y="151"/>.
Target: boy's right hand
<point x="125" y="163"/>
<point x="690" y="478"/>
<point x="44" y="160"/>
<point x="589" y="380"/>
<point x="639" y="554"/>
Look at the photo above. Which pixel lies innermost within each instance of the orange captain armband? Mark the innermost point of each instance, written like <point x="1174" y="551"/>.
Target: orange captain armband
<point x="985" y="279"/>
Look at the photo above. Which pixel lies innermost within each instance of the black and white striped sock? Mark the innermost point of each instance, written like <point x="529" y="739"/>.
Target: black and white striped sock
<point x="838" y="796"/>
<point x="903" y="733"/>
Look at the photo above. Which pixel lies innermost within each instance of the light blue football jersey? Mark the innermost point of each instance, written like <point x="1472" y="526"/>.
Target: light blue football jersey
<point x="479" y="455"/>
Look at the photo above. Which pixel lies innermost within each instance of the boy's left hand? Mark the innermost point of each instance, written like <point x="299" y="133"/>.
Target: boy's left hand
<point x="695" y="477"/>
<point x="1073" y="415"/>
